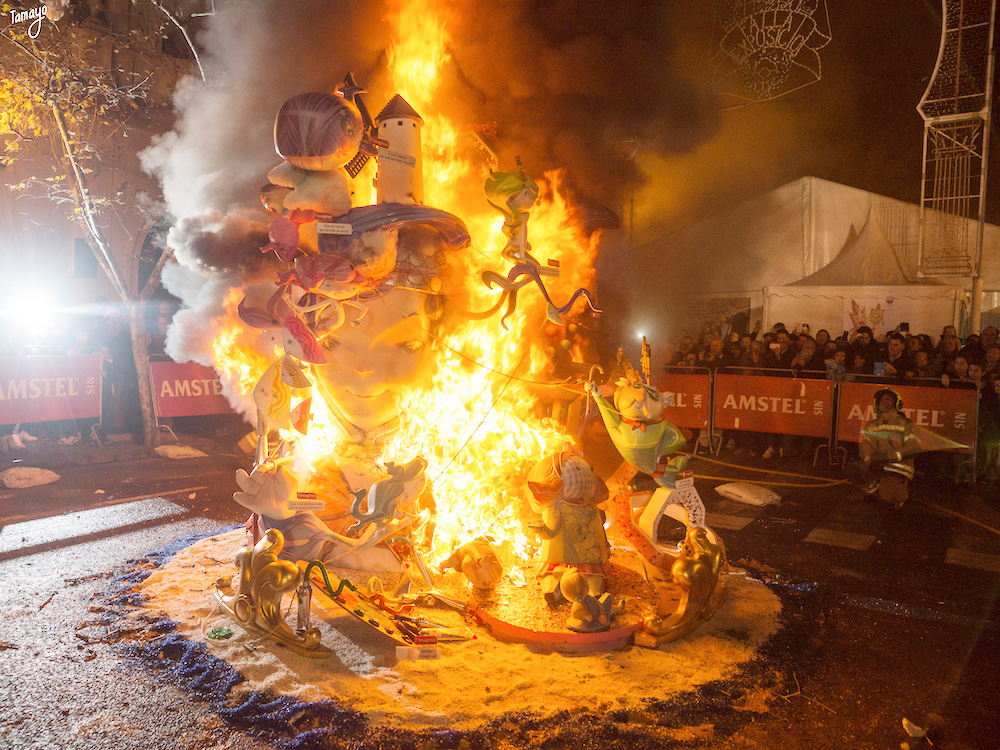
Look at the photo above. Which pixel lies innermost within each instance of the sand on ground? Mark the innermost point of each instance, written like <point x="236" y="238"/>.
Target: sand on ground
<point x="473" y="681"/>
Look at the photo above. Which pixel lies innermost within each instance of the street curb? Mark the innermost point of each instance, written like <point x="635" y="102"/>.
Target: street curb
<point x="47" y="454"/>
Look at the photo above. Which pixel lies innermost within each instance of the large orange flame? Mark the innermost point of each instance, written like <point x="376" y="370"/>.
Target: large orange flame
<point x="478" y="423"/>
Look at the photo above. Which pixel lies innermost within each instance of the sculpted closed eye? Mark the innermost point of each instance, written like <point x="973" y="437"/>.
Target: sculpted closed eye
<point x="412" y="346"/>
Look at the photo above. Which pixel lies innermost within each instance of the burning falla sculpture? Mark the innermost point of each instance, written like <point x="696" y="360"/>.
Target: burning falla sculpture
<point x="646" y="440"/>
<point x="361" y="300"/>
<point x="350" y="294"/>
<point x="565" y="495"/>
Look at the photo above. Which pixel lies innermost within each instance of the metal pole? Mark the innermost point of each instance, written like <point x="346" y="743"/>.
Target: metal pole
<point x="977" y="279"/>
<point x="922" y="233"/>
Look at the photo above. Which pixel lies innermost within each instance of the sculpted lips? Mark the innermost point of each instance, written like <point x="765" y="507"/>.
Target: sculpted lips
<point x="361" y="395"/>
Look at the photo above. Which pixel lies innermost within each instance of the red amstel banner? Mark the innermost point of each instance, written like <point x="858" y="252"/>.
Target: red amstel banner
<point x="186" y="389"/>
<point x="47" y="389"/>
<point x="783" y="406"/>
<point x="691" y="398"/>
<point x="947" y="412"/>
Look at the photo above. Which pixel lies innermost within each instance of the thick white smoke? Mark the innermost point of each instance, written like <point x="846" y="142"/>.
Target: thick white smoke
<point x="563" y="84"/>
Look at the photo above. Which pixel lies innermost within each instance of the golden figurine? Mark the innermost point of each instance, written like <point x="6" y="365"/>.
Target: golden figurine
<point x="256" y="603"/>
<point x="698" y="570"/>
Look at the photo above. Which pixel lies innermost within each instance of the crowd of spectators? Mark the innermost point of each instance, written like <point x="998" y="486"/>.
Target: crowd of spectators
<point x="901" y="356"/>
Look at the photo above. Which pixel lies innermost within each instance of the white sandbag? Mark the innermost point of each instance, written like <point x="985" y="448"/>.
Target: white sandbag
<point x="19" y="477"/>
<point x="179" y="451"/>
<point x="751" y="494"/>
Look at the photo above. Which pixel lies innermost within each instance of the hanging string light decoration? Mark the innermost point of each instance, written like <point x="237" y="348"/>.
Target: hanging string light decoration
<point x="768" y="48"/>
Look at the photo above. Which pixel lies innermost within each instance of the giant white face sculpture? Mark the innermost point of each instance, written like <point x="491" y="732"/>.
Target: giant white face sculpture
<point x="380" y="350"/>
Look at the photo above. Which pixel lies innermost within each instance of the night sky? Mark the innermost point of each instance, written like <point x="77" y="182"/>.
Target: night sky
<point x="858" y="125"/>
<point x="571" y="84"/>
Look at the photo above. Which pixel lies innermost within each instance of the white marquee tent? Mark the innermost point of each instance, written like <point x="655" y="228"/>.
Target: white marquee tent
<point x="868" y="283"/>
<point x="796" y="231"/>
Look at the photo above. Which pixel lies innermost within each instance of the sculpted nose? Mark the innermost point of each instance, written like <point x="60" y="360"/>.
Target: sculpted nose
<point x="363" y="371"/>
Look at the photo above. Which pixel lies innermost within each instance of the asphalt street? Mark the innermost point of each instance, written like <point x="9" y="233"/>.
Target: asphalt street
<point x="889" y="614"/>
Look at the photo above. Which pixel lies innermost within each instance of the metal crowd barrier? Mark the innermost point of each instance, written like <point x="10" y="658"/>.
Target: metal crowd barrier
<point x="50" y="388"/>
<point x="692" y="408"/>
<point x="812" y="404"/>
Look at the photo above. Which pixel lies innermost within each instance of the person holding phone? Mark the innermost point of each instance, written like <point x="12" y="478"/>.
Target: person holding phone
<point x="780" y="353"/>
<point x="863" y="343"/>
<point x="712" y="356"/>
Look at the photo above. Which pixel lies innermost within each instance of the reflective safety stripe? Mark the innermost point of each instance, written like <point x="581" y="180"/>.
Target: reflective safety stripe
<point x="900" y="468"/>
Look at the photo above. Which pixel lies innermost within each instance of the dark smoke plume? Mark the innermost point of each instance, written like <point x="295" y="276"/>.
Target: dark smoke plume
<point x="569" y="85"/>
<point x="565" y="84"/>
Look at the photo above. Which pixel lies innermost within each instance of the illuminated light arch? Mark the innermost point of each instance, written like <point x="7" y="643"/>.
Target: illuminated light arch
<point x="768" y="48"/>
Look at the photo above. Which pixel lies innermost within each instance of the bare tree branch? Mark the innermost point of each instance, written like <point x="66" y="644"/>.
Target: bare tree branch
<point x="187" y="37"/>
<point x="60" y="86"/>
<point x="86" y="206"/>
<point x="154" y="277"/>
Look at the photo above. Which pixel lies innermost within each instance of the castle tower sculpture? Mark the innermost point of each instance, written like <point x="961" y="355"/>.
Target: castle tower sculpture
<point x="400" y="177"/>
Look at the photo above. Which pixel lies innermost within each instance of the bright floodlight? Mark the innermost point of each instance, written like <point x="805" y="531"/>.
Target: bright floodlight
<point x="30" y="312"/>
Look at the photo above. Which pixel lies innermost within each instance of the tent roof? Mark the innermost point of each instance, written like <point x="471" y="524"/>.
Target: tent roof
<point x="870" y="260"/>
